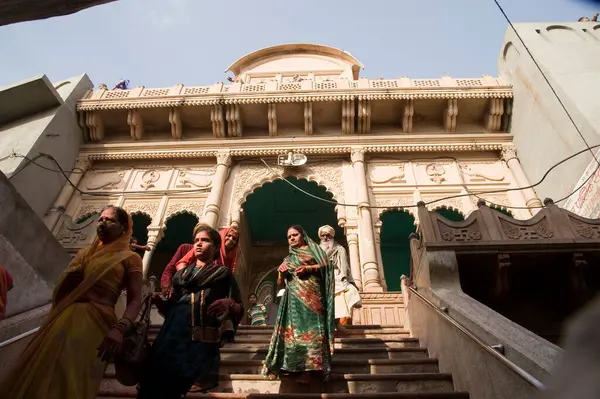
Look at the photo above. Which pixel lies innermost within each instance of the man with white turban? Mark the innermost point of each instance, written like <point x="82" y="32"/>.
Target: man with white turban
<point x="346" y="293"/>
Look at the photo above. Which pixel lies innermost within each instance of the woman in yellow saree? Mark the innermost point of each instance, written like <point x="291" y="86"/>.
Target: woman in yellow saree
<point x="67" y="357"/>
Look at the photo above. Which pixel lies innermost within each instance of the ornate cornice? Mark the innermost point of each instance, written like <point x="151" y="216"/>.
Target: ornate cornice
<point x="269" y="147"/>
<point x="274" y="97"/>
<point x="182" y="154"/>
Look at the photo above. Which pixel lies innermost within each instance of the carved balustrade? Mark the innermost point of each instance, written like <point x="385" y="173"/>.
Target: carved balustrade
<point x="487" y="227"/>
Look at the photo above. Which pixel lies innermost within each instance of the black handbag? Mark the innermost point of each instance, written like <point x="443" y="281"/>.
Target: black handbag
<point x="130" y="361"/>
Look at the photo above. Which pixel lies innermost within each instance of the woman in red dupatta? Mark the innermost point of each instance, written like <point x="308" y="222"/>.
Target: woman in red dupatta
<point x="227" y="252"/>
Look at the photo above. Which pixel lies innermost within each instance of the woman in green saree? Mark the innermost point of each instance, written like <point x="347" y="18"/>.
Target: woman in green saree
<point x="302" y="342"/>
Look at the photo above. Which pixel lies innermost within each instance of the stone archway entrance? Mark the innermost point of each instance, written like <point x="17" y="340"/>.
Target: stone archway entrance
<point x="267" y="214"/>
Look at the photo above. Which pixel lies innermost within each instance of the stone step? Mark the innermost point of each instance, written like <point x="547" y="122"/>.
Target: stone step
<point x="373" y="366"/>
<point x="339" y="383"/>
<point x="263" y="342"/>
<point x="354" y="327"/>
<point x="364" y="353"/>
<point x="370" y="395"/>
<point x="338" y="344"/>
<point x="266" y="332"/>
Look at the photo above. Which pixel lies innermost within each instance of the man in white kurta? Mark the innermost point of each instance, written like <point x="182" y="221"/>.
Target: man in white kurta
<point x="346" y="293"/>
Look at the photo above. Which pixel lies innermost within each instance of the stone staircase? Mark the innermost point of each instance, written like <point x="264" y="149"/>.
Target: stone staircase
<point x="369" y="362"/>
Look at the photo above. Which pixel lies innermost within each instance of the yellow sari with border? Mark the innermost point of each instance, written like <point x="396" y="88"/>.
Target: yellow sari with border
<point x="61" y="362"/>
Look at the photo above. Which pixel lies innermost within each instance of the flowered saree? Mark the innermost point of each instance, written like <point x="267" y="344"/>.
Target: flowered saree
<point x="62" y="359"/>
<point x="303" y="335"/>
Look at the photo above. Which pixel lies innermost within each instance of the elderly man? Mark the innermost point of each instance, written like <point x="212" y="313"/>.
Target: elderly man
<point x="346" y="293"/>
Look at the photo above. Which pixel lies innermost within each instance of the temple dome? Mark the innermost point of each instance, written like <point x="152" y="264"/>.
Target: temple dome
<point x="299" y="58"/>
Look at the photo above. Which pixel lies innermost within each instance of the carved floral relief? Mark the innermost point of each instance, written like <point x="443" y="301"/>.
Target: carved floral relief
<point x="481" y="172"/>
<point x="436" y="172"/>
<point x="150" y="179"/>
<point x="540" y="230"/>
<point x="387" y="173"/>
<point x="194" y="178"/>
<point x="175" y="206"/>
<point x="87" y="208"/>
<point x="148" y="208"/>
<point x="105" y="180"/>
<point x="395" y="203"/>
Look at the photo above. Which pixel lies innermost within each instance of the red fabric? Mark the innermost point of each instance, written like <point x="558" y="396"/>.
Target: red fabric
<point x="228" y="258"/>
<point x="171" y="268"/>
<point x="225" y="258"/>
<point x="6" y="283"/>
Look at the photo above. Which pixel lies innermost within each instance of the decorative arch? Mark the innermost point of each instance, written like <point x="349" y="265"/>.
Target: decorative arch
<point x="382" y="212"/>
<point x="143" y="207"/>
<point x="276" y="199"/>
<point x="251" y="177"/>
<point x="178" y="213"/>
<point x="449" y="209"/>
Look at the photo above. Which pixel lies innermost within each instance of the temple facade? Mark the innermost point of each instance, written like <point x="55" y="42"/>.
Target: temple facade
<point x="373" y="149"/>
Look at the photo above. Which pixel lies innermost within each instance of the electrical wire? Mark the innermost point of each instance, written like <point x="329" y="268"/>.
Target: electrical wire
<point x="201" y="190"/>
<point x="547" y="81"/>
<point x="456" y="195"/>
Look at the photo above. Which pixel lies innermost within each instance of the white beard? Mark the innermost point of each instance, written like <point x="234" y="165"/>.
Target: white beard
<point x="326" y="245"/>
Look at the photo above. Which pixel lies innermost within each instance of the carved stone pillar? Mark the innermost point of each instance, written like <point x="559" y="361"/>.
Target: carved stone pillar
<point x="53" y="215"/>
<point x="509" y="155"/>
<point x="368" y="256"/>
<point x="155" y="234"/>
<point x="213" y="202"/>
<point x="352" y="238"/>
<point x="378" y="253"/>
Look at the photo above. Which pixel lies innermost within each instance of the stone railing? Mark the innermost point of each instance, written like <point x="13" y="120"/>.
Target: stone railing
<point x="550" y="226"/>
<point x="272" y="85"/>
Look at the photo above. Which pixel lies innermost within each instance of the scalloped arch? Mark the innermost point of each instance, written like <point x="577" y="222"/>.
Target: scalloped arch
<point x="300" y="176"/>
<point x="397" y="209"/>
<point x="450" y="208"/>
<point x="139" y="212"/>
<point x="177" y="213"/>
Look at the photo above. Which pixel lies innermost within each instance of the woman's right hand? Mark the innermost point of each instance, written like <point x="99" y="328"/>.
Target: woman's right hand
<point x="283" y="268"/>
<point x="156" y="299"/>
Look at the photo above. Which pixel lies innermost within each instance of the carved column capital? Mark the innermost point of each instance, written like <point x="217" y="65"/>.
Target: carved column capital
<point x="357" y="154"/>
<point x="352" y="237"/>
<point x="155" y="234"/>
<point x="508" y="153"/>
<point x="224" y="158"/>
<point x="83" y="163"/>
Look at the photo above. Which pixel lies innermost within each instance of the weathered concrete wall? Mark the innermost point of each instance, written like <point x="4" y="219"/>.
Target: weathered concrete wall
<point x="28" y="251"/>
<point x="12" y="11"/>
<point x="437" y="280"/>
<point x="569" y="55"/>
<point x="55" y="132"/>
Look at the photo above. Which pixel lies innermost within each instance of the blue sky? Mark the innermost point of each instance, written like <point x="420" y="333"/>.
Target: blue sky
<point x="160" y="43"/>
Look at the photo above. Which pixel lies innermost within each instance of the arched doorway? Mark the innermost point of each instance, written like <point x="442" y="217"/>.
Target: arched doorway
<point x="396" y="226"/>
<point x="268" y="212"/>
<point x="178" y="230"/>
